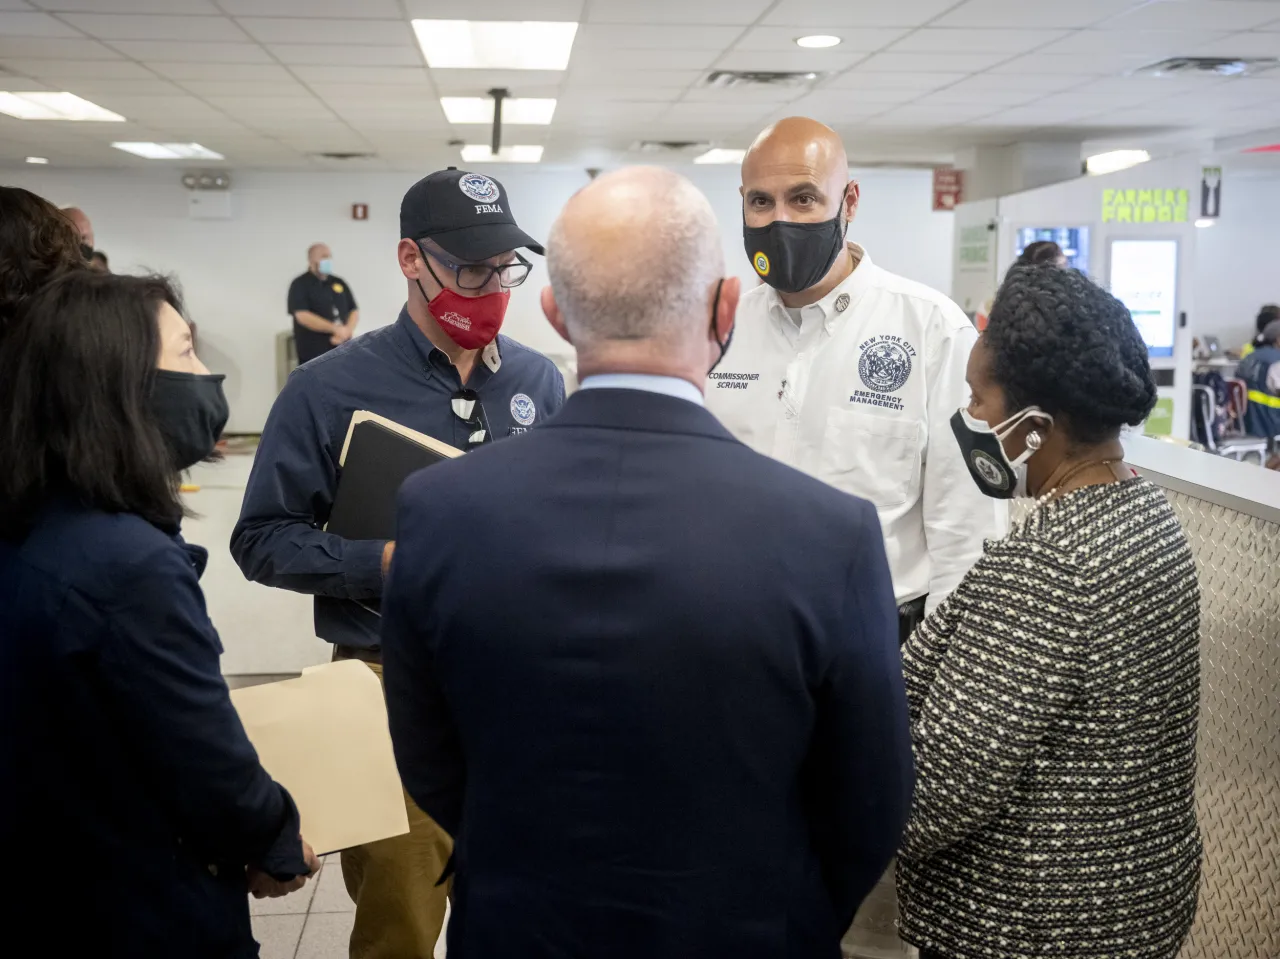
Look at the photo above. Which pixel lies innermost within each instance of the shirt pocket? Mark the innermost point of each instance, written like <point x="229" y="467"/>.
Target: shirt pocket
<point x="875" y="457"/>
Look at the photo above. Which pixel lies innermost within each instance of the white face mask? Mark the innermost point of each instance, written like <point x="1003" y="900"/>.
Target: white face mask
<point x="983" y="448"/>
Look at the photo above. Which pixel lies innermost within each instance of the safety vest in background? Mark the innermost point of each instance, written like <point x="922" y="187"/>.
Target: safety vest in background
<point x="1262" y="418"/>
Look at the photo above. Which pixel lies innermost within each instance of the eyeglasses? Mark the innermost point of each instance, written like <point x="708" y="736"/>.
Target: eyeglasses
<point x="468" y="408"/>
<point x="476" y="276"/>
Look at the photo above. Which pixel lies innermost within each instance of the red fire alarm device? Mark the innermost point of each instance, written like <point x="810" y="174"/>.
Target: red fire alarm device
<point x="359" y="211"/>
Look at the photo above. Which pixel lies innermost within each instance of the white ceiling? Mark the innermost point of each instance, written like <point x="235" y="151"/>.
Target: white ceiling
<point x="269" y="83"/>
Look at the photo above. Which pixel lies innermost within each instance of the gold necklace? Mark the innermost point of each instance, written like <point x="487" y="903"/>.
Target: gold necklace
<point x="1074" y="471"/>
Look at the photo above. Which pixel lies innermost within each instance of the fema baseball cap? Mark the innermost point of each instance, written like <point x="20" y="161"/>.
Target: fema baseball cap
<point x="468" y="214"/>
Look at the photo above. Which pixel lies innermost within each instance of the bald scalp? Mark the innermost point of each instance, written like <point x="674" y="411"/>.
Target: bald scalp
<point x="796" y="144"/>
<point x="633" y="256"/>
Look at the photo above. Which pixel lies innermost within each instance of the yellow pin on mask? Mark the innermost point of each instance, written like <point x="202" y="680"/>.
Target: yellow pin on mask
<point x="761" y="263"/>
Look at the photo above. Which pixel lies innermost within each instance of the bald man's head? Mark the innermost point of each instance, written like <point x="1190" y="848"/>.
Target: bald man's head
<point x="635" y="255"/>
<point x="81" y="222"/>
<point x="796" y="170"/>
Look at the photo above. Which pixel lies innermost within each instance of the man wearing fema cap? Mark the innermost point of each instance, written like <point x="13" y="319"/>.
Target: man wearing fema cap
<point x="442" y="369"/>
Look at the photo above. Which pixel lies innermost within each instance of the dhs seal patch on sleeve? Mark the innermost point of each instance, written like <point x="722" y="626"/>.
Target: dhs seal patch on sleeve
<point x="523" y="410"/>
<point x="885" y="367"/>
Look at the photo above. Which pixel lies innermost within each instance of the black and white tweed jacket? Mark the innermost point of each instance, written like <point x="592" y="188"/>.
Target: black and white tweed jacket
<point x="1054" y="702"/>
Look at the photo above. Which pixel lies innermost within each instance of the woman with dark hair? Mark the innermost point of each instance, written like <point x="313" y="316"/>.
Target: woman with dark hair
<point x="127" y="771"/>
<point x="1054" y="696"/>
<point x="37" y="243"/>
<point x="1042" y="253"/>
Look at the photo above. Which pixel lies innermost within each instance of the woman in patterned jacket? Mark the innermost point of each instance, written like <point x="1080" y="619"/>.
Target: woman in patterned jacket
<point x="1054" y="696"/>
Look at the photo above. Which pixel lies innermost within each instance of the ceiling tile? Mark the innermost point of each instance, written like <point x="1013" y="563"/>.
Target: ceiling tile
<point x="34" y="25"/>
<point x="360" y="32"/>
<point x="68" y="71"/>
<point x="343" y="74"/>
<point x="397" y="96"/>
<point x="856" y="13"/>
<point x="1155" y="86"/>
<point x="995" y="99"/>
<point x="193" y="52"/>
<point x="1152" y="44"/>
<point x="128" y="6"/>
<point x="860" y="79"/>
<point x="263" y="72"/>
<point x="932" y="62"/>
<point x="728" y="12"/>
<point x="261" y="106"/>
<point x="151" y="109"/>
<point x="852" y="40"/>
<point x="303" y="9"/>
<point x="751" y="94"/>
<point x="285" y="86"/>
<point x="1094" y="65"/>
<point x="633" y="36"/>
<point x="938" y="40"/>
<point x="836" y="106"/>
<point x="138" y="27"/>
<point x="1031" y="83"/>
<point x="1188" y="15"/>
<point x="49" y="48"/>
<point x="553" y="10"/>
<point x="682" y="112"/>
<point x="475" y="83"/>
<point x="154" y="86"/>
<point x="1093" y="102"/>
<point x="821" y="61"/>
<point x="646" y="59"/>
<point x="1020" y="13"/>
<point x="1253" y="44"/>
<point x="319" y="54"/>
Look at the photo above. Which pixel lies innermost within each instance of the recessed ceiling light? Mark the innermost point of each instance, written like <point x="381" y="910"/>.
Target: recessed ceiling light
<point x="516" y="110"/>
<point x="169" y="151"/>
<point x="721" y="156"/>
<point x="818" y="41"/>
<point x="495" y="44"/>
<point x="54" y="106"/>
<point x="41" y="161"/>
<point x="483" y="153"/>
<point x="1115" y="161"/>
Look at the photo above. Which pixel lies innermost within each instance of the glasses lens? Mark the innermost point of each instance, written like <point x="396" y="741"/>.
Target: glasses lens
<point x="513" y="274"/>
<point x="474" y="277"/>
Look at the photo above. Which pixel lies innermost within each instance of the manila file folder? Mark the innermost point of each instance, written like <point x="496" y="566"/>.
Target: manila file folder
<point x="324" y="737"/>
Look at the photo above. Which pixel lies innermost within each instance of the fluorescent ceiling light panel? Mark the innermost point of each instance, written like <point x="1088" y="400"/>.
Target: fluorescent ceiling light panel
<point x="54" y="106"/>
<point x="721" y="156"/>
<point x="818" y="41"/>
<point x="39" y="161"/>
<point x="483" y="153"/>
<point x="169" y="151"/>
<point x="1205" y="222"/>
<point x="1115" y="161"/>
<point x="531" y="111"/>
<point x="495" y="44"/>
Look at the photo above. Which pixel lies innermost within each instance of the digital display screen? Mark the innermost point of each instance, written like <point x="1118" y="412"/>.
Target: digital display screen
<point x="1074" y="241"/>
<point x="1144" y="277"/>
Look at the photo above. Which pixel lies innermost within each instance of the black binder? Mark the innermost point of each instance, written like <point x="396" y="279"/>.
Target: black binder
<point x="378" y="457"/>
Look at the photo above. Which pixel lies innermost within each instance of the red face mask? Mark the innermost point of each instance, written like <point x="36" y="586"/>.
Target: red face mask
<point x="470" y="321"/>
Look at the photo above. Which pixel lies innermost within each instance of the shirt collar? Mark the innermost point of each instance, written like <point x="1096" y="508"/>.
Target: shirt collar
<point x="666" y="385"/>
<point x="830" y="308"/>
<point x="491" y="355"/>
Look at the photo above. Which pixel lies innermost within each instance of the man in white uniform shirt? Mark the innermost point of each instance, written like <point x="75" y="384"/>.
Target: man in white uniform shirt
<point x="848" y="372"/>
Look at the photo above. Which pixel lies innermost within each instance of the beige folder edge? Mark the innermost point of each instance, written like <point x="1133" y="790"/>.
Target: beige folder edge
<point x="324" y="737"/>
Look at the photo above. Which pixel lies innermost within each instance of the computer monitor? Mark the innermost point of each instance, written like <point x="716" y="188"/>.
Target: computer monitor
<point x="1144" y="277"/>
<point x="1074" y="241"/>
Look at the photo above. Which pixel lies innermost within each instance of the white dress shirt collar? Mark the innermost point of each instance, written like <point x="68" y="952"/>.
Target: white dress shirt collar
<point x="832" y="306"/>
<point x="666" y="385"/>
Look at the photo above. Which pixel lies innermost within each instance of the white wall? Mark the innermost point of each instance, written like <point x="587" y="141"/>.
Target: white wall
<point x="1238" y="260"/>
<point x="235" y="273"/>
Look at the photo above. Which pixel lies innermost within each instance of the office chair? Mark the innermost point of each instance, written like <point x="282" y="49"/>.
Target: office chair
<point x="1204" y="412"/>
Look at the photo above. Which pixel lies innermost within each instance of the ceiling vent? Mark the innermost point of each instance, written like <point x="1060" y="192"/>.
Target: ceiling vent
<point x="345" y="156"/>
<point x="670" y="146"/>
<point x="736" y="79"/>
<point x="1209" y="66"/>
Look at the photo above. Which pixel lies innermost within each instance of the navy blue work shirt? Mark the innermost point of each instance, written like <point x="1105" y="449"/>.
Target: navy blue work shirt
<point x="394" y="372"/>
<point x="125" y="768"/>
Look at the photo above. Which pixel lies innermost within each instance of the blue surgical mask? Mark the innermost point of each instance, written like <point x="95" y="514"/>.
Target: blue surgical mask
<point x="325" y="266"/>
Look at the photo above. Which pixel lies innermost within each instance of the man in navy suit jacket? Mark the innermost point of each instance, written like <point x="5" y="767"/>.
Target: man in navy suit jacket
<point x="647" y="678"/>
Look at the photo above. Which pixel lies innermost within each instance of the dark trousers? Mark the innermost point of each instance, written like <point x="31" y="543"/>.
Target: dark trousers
<point x="910" y="615"/>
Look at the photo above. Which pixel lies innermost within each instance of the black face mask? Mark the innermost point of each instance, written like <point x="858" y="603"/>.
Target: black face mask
<point x="715" y="330"/>
<point x="791" y="257"/>
<point x="86" y="251"/>
<point x="191" y="411"/>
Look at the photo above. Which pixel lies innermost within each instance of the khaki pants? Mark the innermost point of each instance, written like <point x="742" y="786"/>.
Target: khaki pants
<point x="399" y="908"/>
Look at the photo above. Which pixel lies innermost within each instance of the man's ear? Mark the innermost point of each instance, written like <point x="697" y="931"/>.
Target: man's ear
<point x="726" y="312"/>
<point x="553" y="314"/>
<point x="851" y="197"/>
<point x="410" y="259"/>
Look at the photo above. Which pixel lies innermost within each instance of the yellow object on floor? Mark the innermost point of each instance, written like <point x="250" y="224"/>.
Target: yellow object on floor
<point x="188" y="488"/>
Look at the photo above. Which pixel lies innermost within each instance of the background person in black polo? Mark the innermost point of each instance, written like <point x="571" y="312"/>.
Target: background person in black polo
<point x="323" y="307"/>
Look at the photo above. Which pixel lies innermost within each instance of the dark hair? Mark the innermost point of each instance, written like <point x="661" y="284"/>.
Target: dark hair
<point x="77" y="368"/>
<point x="1266" y="316"/>
<point x="1044" y="252"/>
<point x="37" y="244"/>
<point x="99" y="255"/>
<point x="1059" y="342"/>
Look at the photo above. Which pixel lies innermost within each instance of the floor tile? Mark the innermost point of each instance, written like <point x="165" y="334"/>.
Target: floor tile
<point x="294" y="904"/>
<point x="326" y="936"/>
<point x="278" y="935"/>
<point x="331" y="893"/>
